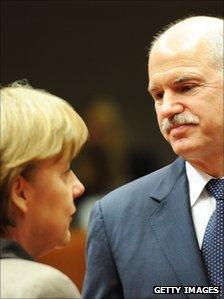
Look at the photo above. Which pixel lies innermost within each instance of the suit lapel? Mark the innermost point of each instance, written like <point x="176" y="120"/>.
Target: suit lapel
<point x="173" y="227"/>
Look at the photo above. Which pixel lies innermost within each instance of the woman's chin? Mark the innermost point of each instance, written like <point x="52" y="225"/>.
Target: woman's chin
<point x="64" y="241"/>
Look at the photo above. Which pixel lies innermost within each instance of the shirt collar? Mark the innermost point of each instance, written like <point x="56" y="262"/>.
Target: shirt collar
<point x="197" y="180"/>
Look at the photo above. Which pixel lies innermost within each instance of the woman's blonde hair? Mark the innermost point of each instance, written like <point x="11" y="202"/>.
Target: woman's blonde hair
<point x="35" y="125"/>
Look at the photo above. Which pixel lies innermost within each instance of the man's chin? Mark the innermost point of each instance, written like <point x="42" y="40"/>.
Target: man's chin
<point x="183" y="147"/>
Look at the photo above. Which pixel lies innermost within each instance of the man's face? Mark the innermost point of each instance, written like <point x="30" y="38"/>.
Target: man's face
<point x="188" y="95"/>
<point x="51" y="190"/>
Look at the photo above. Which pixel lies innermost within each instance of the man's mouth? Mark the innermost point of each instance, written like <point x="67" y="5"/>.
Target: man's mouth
<point x="178" y="129"/>
<point x="174" y="126"/>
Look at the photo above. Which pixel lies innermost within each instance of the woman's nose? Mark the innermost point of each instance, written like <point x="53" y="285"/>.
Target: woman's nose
<point x="78" y="188"/>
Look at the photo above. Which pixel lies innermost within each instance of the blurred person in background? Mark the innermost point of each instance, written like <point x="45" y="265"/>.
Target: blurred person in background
<point x="166" y="228"/>
<point x="110" y="159"/>
<point x="102" y="165"/>
<point x="105" y="156"/>
<point x="40" y="135"/>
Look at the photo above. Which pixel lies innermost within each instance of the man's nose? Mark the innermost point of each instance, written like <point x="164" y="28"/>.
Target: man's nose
<point x="78" y="188"/>
<point x="171" y="105"/>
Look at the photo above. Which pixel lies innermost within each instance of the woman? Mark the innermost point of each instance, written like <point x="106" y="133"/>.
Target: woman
<point x="40" y="135"/>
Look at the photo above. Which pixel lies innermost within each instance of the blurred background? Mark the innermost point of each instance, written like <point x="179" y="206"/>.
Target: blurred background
<point x="94" y="55"/>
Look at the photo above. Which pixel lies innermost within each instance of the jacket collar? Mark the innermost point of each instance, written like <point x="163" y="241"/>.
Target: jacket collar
<point x="173" y="226"/>
<point x="11" y="249"/>
<point x="165" y="179"/>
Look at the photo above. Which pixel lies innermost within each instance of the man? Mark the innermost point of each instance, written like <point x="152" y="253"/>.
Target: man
<point x="152" y="232"/>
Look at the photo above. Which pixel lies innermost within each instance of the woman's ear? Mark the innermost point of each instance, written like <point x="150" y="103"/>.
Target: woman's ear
<point x="18" y="193"/>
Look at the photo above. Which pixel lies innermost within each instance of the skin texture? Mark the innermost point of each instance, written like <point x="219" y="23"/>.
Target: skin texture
<point x="183" y="82"/>
<point x="44" y="204"/>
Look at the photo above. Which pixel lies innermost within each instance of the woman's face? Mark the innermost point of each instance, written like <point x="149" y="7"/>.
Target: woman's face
<point x="51" y="189"/>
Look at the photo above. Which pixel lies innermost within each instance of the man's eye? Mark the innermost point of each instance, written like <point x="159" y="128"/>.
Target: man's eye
<point x="158" y="95"/>
<point x="186" y="88"/>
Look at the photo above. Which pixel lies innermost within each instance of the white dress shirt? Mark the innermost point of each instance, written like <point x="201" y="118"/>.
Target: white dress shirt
<point x="202" y="203"/>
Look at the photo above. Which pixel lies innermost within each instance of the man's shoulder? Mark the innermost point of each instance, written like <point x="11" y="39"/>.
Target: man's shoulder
<point x="157" y="183"/>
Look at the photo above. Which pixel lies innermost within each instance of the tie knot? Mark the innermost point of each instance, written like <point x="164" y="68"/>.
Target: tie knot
<point x="216" y="188"/>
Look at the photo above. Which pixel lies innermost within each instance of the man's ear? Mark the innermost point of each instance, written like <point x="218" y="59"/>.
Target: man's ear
<point x="18" y="193"/>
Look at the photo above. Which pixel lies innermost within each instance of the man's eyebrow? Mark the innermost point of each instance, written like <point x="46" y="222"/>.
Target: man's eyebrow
<point x="182" y="79"/>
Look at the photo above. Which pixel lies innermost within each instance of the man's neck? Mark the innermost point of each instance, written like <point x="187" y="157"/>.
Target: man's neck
<point x="213" y="167"/>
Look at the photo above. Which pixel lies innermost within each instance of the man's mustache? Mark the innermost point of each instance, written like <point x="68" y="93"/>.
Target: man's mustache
<point x="179" y="119"/>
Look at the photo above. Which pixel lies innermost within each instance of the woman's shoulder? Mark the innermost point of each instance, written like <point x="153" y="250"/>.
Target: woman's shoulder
<point x="28" y="279"/>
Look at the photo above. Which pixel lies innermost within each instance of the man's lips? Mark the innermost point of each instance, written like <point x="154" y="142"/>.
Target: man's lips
<point x="179" y="129"/>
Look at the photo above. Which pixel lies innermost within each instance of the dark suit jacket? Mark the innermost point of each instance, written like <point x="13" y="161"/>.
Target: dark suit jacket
<point x="142" y="235"/>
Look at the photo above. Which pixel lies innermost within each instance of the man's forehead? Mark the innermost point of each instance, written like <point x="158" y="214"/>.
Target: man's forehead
<point x="177" y="61"/>
<point x="178" y="43"/>
<point x="169" y="50"/>
<point x="187" y="37"/>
